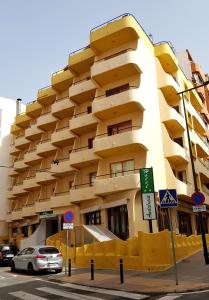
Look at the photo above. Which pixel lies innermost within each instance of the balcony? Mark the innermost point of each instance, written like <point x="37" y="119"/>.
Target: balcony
<point x="60" y="199"/>
<point x="167" y="57"/>
<point x="14" y="129"/>
<point x="28" y="210"/>
<point x="62" y="79"/>
<point x="82" y="91"/>
<point x="33" y="109"/>
<point x="30" y="183"/>
<point x="169" y="87"/>
<point x="82" y="192"/>
<point x="202" y="166"/>
<point x="46" y="95"/>
<point x="124" y="102"/>
<point x="20" y="165"/>
<point x="123" y="142"/>
<point x="16" y="214"/>
<point x="12" y="172"/>
<point x="105" y="184"/>
<point x="9" y="217"/>
<point x="45" y="176"/>
<point x="62" y="137"/>
<point x="22" y="120"/>
<point x="21" y="142"/>
<point x="63" y="107"/>
<point x="80" y="61"/>
<point x="82" y="157"/>
<point x="198" y="123"/>
<point x="42" y="205"/>
<point x="45" y="147"/>
<point x="46" y="121"/>
<point x="119" y="65"/>
<point x="13" y="150"/>
<point x="83" y="123"/>
<point x="202" y="147"/>
<point x="33" y="132"/>
<point x="31" y="157"/>
<point x="10" y="194"/>
<point x="18" y="189"/>
<point x="62" y="168"/>
<point x="120" y="30"/>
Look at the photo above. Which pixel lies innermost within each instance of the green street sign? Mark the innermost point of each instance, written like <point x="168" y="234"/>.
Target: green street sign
<point x="147" y="182"/>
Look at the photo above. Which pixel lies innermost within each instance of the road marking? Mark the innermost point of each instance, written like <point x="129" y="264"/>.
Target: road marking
<point x="25" y="296"/>
<point x="68" y="295"/>
<point x="2" y="277"/>
<point x="106" y="291"/>
<point x="169" y="297"/>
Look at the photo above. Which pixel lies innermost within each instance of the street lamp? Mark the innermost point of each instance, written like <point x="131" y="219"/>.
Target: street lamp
<point x="205" y="249"/>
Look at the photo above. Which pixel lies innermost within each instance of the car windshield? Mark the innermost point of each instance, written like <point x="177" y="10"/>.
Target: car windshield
<point x="48" y="250"/>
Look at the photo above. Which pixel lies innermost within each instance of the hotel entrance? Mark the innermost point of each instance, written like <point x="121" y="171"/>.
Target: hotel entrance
<point x="118" y="221"/>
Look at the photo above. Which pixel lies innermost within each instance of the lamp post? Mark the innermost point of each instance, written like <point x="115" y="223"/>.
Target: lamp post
<point x="204" y="243"/>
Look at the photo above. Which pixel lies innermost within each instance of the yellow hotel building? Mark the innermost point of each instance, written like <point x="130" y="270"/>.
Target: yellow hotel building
<point x="112" y="110"/>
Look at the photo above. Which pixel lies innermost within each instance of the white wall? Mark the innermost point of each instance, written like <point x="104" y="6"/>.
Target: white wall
<point x="8" y="113"/>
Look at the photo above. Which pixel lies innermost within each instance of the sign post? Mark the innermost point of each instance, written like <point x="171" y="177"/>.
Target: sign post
<point x="68" y="218"/>
<point x="168" y="199"/>
<point x="148" y="195"/>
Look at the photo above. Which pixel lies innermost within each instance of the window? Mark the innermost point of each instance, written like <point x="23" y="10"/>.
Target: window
<point x="179" y="141"/>
<point x="70" y="184"/>
<point x="25" y="231"/>
<point x="90" y="143"/>
<point x="120" y="127"/>
<point x="177" y="108"/>
<point x="117" y="90"/>
<point x="92" y="177"/>
<point x="122" y="168"/>
<point x="93" y="218"/>
<point x="89" y="109"/>
<point x="29" y="251"/>
<point x="48" y="250"/>
<point x="182" y="176"/>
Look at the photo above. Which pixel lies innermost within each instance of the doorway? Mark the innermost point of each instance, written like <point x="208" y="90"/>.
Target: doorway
<point x="118" y="221"/>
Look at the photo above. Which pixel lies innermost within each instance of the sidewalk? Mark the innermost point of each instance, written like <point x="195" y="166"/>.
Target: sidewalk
<point x="193" y="275"/>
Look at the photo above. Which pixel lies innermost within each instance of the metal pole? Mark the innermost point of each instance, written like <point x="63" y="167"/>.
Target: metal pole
<point x="150" y="226"/>
<point x="173" y="246"/>
<point x="69" y="267"/>
<point x="204" y="243"/>
<point x="66" y="255"/>
<point x="121" y="271"/>
<point x="92" y="269"/>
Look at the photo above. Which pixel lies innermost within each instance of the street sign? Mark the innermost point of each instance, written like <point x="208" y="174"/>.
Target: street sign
<point x="199" y="208"/>
<point x="148" y="203"/>
<point x="68" y="226"/>
<point x="198" y="198"/>
<point x="146" y="179"/>
<point x="68" y="216"/>
<point x="168" y="198"/>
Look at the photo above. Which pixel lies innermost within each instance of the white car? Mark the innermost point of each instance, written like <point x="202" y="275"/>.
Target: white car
<point x="38" y="258"/>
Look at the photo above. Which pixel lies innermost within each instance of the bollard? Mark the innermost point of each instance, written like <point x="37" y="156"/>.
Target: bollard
<point x="121" y="271"/>
<point x="69" y="267"/>
<point x="92" y="269"/>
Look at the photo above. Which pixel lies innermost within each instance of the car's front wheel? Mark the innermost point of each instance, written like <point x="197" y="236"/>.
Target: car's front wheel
<point x="30" y="269"/>
<point x="13" y="269"/>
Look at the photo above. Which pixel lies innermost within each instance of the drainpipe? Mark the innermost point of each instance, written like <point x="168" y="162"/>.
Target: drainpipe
<point x="18" y="106"/>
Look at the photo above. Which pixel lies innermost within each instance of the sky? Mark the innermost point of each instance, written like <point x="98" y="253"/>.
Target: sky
<point x="36" y="36"/>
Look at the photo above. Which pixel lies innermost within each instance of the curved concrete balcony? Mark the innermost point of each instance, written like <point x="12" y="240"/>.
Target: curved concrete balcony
<point x="202" y="147"/>
<point x="60" y="199"/>
<point x="33" y="109"/>
<point x="16" y="214"/>
<point x="42" y="205"/>
<point x="46" y="121"/>
<point x="120" y="65"/>
<point x="199" y="125"/>
<point x="12" y="172"/>
<point x="62" y="137"/>
<point x="127" y="101"/>
<point x="168" y="86"/>
<point x="82" y="157"/>
<point x="83" y="123"/>
<point x="202" y="166"/>
<point x="81" y="60"/>
<point x="14" y="129"/>
<point x="106" y="184"/>
<point x="10" y="194"/>
<point x="18" y="189"/>
<point x="62" y="107"/>
<point x="44" y="176"/>
<point x="62" y="79"/>
<point x="62" y="168"/>
<point x="22" y="120"/>
<point x="21" y="142"/>
<point x="128" y="141"/>
<point x="44" y="148"/>
<point x="31" y="157"/>
<point x="13" y="150"/>
<point x="82" y="192"/>
<point x="166" y="57"/>
<point x="33" y="133"/>
<point x="20" y="165"/>
<point x="46" y="95"/>
<point x="30" y="184"/>
<point x="120" y="30"/>
<point x="82" y="91"/>
<point x="28" y="210"/>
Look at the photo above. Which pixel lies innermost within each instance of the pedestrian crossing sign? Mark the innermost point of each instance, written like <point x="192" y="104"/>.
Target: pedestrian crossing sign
<point x="168" y="198"/>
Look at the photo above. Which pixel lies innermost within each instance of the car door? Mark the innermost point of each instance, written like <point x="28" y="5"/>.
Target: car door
<point x="18" y="259"/>
<point x="27" y="257"/>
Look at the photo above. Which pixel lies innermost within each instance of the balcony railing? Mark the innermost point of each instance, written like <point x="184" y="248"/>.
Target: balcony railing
<point x="118" y="131"/>
<point x="118" y="173"/>
<point x="81" y="149"/>
<point x="62" y="128"/>
<point x="82" y="185"/>
<point x="119" y="92"/>
<point x="62" y="193"/>
<point x="43" y="199"/>
<point x="82" y="80"/>
<point x="115" y="55"/>
<point x="86" y="112"/>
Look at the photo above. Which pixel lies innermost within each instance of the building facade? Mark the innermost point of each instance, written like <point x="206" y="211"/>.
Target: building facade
<point x="112" y="110"/>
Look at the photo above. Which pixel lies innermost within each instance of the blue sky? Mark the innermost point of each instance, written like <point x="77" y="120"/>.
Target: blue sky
<point x="37" y="36"/>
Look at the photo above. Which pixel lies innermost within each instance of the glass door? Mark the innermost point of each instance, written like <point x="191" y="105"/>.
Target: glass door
<point x="118" y="221"/>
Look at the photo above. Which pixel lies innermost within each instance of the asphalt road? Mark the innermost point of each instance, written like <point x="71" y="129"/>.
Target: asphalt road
<point x="48" y="286"/>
